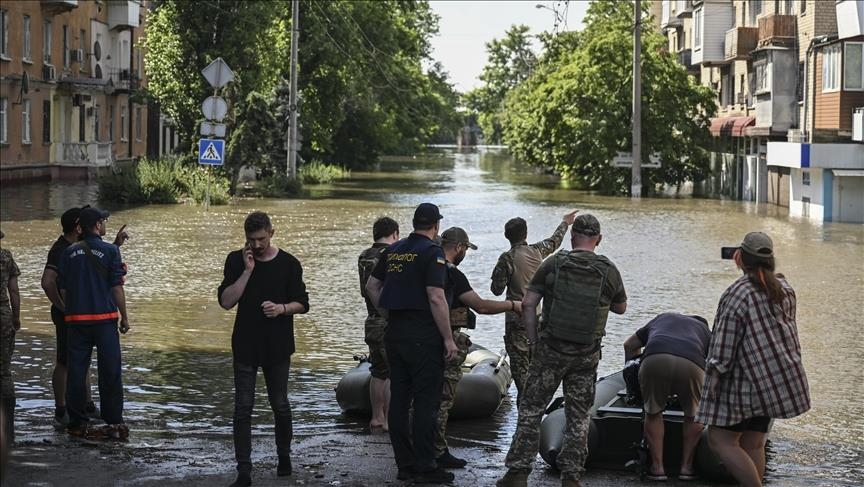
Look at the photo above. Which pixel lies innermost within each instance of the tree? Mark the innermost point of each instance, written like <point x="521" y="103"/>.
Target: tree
<point x="510" y="62"/>
<point x="574" y="113"/>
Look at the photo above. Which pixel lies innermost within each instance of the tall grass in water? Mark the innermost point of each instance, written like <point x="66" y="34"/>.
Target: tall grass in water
<point x="163" y="181"/>
<point x="316" y="172"/>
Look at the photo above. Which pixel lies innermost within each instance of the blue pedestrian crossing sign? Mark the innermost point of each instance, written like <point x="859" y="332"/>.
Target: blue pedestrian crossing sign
<point x="211" y="151"/>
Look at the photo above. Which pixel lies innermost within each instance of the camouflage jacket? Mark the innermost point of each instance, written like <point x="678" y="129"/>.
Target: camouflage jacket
<point x="516" y="266"/>
<point x="8" y="270"/>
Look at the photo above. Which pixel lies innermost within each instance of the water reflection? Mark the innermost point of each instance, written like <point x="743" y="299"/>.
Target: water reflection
<point x="177" y="363"/>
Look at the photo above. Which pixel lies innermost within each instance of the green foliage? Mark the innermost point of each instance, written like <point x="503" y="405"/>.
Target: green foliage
<point x="574" y="113"/>
<point x="510" y="62"/>
<point x="316" y="172"/>
<point x="278" y="186"/>
<point x="162" y="181"/>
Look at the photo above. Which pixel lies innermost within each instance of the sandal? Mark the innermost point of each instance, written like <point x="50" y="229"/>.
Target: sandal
<point x="688" y="476"/>
<point x="656" y="477"/>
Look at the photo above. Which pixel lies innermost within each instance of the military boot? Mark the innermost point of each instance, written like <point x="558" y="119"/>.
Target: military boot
<point x="513" y="478"/>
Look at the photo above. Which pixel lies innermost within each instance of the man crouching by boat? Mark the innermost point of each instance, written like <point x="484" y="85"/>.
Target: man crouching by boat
<point x="455" y="243"/>
<point x="385" y="231"/>
<point x="673" y="363"/>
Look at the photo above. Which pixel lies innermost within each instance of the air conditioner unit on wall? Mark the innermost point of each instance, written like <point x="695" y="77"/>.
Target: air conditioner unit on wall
<point x="48" y="72"/>
<point x="858" y="125"/>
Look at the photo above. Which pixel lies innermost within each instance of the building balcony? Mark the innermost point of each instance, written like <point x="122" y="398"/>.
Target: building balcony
<point x="84" y="154"/>
<point x="739" y="42"/>
<point x="54" y="7"/>
<point x="778" y="30"/>
<point x="850" y="18"/>
<point x="684" y="9"/>
<point x="684" y="58"/>
<point x="124" y="14"/>
<point x="668" y="18"/>
<point x="123" y="80"/>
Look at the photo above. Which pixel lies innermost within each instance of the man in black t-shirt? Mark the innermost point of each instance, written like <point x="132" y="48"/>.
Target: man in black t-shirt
<point x="455" y="243"/>
<point x="71" y="234"/>
<point x="266" y="284"/>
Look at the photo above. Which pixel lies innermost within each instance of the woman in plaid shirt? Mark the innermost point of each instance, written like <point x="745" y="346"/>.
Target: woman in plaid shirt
<point x="754" y="371"/>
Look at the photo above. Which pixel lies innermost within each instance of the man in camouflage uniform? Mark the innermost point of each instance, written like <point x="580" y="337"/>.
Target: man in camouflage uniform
<point x="10" y="322"/>
<point x="455" y="243"/>
<point x="513" y="271"/>
<point x="578" y="289"/>
<point x="385" y="231"/>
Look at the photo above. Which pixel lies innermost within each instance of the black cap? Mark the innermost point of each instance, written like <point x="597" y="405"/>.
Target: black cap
<point x="70" y="219"/>
<point x="587" y="225"/>
<point x="426" y="214"/>
<point x="90" y="216"/>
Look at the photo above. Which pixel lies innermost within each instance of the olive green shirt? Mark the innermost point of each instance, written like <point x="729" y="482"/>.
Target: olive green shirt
<point x="516" y="267"/>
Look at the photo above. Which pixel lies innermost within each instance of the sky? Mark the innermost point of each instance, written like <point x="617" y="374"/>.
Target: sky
<point x="466" y="26"/>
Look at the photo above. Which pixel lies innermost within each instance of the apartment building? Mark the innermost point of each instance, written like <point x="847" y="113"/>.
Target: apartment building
<point x="70" y="74"/>
<point x="788" y="77"/>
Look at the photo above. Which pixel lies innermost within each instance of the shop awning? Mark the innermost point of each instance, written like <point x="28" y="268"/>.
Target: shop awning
<point x="730" y="126"/>
<point x="848" y="172"/>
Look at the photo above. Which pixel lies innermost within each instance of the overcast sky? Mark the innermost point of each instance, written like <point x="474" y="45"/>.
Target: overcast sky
<point x="466" y="26"/>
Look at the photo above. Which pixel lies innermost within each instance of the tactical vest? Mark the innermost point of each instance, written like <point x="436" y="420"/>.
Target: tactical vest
<point x="575" y="313"/>
<point x="365" y="265"/>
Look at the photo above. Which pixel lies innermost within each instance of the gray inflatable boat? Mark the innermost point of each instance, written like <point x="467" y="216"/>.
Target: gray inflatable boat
<point x="485" y="380"/>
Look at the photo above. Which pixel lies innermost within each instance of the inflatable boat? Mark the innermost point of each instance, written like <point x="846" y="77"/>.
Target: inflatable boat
<point x="615" y="431"/>
<point x="484" y="383"/>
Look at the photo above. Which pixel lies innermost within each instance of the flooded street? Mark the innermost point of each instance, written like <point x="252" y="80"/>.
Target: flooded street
<point x="177" y="361"/>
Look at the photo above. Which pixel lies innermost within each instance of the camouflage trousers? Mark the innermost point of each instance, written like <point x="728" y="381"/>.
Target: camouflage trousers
<point x="7" y="343"/>
<point x="554" y="362"/>
<point x="374" y="329"/>
<point x="516" y="344"/>
<point x="452" y="374"/>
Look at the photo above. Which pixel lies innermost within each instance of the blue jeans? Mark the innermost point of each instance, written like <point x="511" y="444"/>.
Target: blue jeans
<point x="416" y="372"/>
<point x="80" y="342"/>
<point x="276" y="378"/>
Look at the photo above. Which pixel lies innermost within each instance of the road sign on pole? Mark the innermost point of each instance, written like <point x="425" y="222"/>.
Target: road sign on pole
<point x="625" y="159"/>
<point x="213" y="129"/>
<point x="217" y="73"/>
<point x="215" y="108"/>
<point x="211" y="151"/>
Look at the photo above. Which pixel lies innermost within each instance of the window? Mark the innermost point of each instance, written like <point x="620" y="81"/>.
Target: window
<point x="805" y="207"/>
<point x="25" y="48"/>
<point x="111" y="123"/>
<point x="697" y="28"/>
<point x="138" y="123"/>
<point x="46" y="42"/>
<point x="800" y="90"/>
<point x="761" y="72"/>
<point x="4" y="33"/>
<point x="25" y="122"/>
<point x="853" y="66"/>
<point x="97" y="120"/>
<point x="82" y="120"/>
<point x="831" y="68"/>
<point x="46" y="122"/>
<point x="66" y="48"/>
<point x="4" y="121"/>
<point x="755" y="10"/>
<point x="805" y="178"/>
<point x="124" y="124"/>
<point x="803" y="6"/>
<point x="789" y="7"/>
<point x="83" y="65"/>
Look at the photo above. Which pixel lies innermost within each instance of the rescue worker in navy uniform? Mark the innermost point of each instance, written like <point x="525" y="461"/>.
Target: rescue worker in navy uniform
<point x="407" y="286"/>
<point x="579" y="288"/>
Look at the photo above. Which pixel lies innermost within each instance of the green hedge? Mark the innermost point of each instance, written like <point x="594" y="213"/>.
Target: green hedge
<point x="162" y="181"/>
<point x="316" y="172"/>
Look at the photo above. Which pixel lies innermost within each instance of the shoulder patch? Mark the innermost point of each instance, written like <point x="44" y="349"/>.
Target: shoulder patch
<point x="441" y="260"/>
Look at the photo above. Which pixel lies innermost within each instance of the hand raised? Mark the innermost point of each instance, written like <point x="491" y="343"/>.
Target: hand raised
<point x="569" y="218"/>
<point x="122" y="236"/>
<point x="248" y="258"/>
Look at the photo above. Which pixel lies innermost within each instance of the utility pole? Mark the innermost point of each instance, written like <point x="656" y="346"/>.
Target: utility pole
<point x="292" y="97"/>
<point x="636" y="182"/>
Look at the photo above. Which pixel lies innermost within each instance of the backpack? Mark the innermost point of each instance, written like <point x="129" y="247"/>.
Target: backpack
<point x="574" y="311"/>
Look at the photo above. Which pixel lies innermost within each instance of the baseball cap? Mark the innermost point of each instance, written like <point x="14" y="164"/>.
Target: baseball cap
<point x="457" y="235"/>
<point x="587" y="225"/>
<point x="90" y="216"/>
<point x="426" y="214"/>
<point x="69" y="219"/>
<point x="758" y="244"/>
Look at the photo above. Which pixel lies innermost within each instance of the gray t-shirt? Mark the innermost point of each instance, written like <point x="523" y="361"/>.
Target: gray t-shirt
<point x="676" y="334"/>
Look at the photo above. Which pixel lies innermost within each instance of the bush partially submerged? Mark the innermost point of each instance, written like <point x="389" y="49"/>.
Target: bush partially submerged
<point x="317" y="172"/>
<point x="163" y="181"/>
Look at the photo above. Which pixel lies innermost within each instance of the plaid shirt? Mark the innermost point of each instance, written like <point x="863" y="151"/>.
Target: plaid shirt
<point x="754" y="363"/>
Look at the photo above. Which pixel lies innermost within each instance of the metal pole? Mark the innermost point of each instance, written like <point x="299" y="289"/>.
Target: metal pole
<point x="292" y="98"/>
<point x="636" y="183"/>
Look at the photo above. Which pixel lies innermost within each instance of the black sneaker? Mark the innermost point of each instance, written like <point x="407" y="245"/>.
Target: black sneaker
<point x="284" y="468"/>
<point x="405" y="473"/>
<point x="437" y="476"/>
<point x="243" y="480"/>
<point x="92" y="411"/>
<point x="447" y="460"/>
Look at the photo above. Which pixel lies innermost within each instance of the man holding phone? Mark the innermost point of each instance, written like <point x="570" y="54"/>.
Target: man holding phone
<point x="266" y="284"/>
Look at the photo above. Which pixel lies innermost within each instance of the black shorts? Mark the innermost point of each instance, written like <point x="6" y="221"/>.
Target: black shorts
<point x="61" y="331"/>
<point x="758" y="423"/>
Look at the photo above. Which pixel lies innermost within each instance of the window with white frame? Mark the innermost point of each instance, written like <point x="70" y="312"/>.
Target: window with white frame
<point x="853" y="66"/>
<point x="4" y="33"/>
<point x="25" y="45"/>
<point x="755" y="11"/>
<point x="46" y="42"/>
<point x="831" y="68"/>
<point x="4" y="121"/>
<point x="25" y="122"/>
<point x="83" y="64"/>
<point x="762" y="81"/>
<point x="124" y="123"/>
<point x="697" y="28"/>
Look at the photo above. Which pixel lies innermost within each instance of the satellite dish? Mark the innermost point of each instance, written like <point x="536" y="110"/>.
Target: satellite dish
<point x="25" y="83"/>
